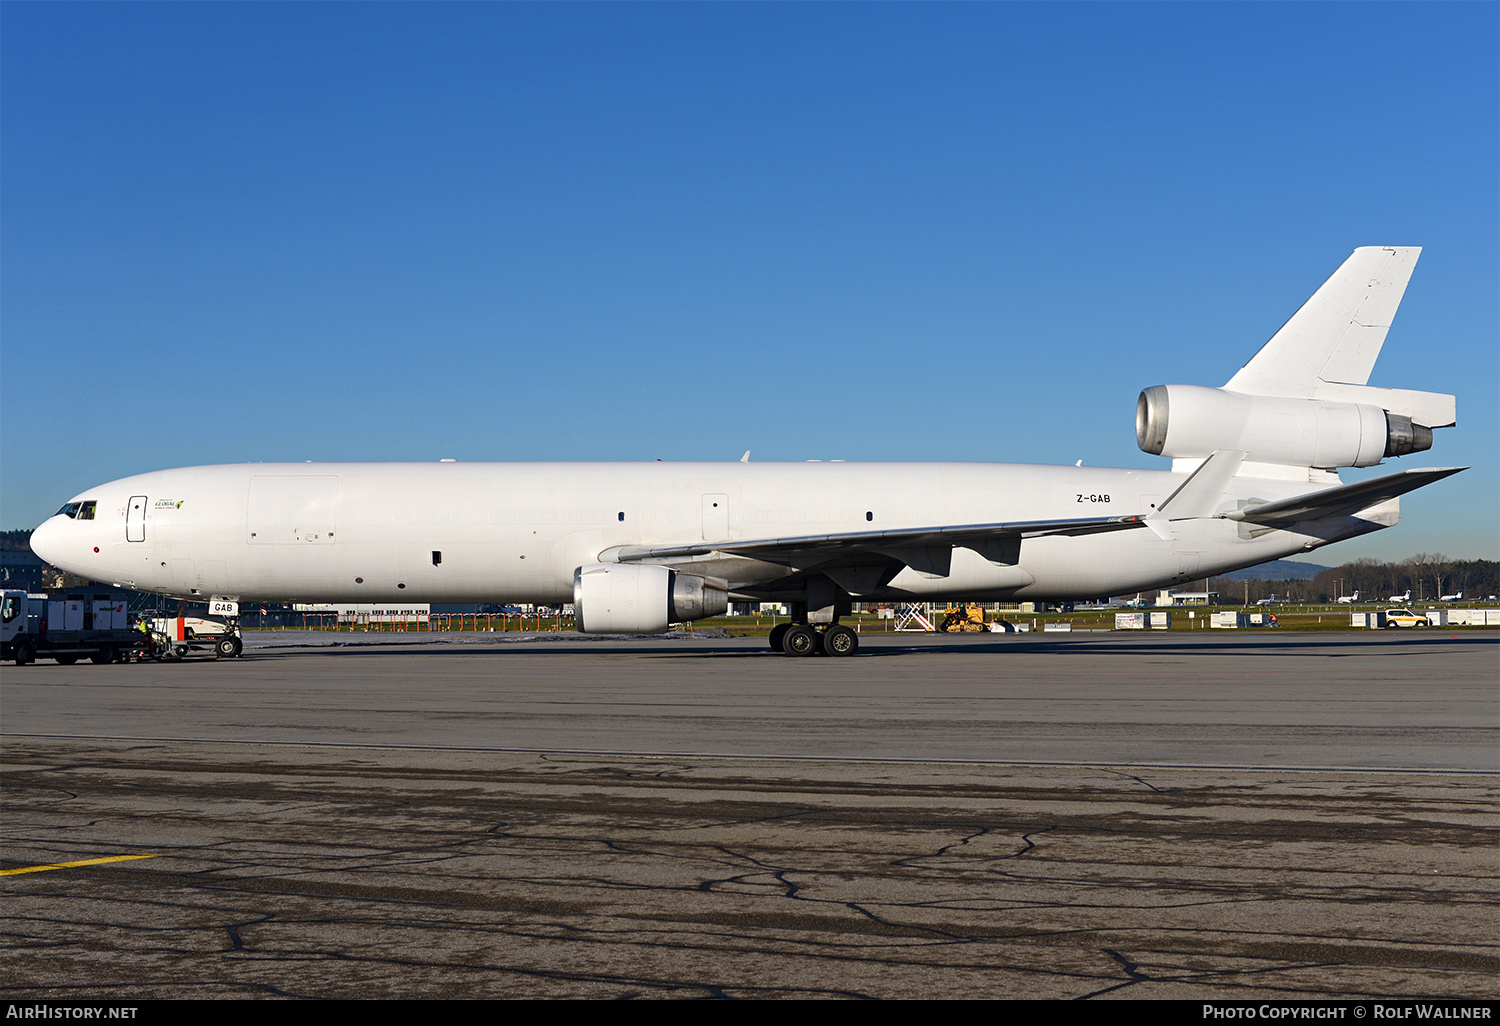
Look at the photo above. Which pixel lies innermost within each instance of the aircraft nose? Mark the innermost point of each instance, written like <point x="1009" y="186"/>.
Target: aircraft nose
<point x="44" y="542"/>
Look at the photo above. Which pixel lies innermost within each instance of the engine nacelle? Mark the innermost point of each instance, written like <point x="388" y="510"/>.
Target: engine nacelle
<point x="1269" y="429"/>
<point x="634" y="598"/>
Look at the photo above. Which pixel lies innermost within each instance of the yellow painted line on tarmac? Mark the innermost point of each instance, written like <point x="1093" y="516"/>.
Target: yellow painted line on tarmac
<point x="72" y="865"/>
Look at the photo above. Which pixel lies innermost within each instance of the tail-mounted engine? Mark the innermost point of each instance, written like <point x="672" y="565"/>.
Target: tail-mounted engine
<point x="1293" y="432"/>
<point x="635" y="598"/>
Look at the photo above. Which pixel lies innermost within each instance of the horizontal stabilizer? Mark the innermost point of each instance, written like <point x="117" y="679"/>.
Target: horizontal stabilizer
<point x="1342" y="501"/>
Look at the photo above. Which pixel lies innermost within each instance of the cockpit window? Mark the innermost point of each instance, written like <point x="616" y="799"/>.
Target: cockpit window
<point x="70" y="510"/>
<point x="86" y="511"/>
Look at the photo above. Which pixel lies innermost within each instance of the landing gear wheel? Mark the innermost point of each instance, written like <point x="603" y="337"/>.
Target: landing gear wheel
<point x="840" y="641"/>
<point x="228" y="648"/>
<point x="801" y="640"/>
<point x="777" y="633"/>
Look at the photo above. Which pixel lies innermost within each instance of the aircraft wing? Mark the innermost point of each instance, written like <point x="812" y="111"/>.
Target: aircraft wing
<point x="1342" y="501"/>
<point x="996" y="542"/>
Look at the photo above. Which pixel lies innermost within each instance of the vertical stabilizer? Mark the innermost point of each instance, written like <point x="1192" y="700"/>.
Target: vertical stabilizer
<point x="1336" y="336"/>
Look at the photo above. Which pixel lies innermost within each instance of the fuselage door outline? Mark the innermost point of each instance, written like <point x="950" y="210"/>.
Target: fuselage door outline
<point x="135" y="519"/>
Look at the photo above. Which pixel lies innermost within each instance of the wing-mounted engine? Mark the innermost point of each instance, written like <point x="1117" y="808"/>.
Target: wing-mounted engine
<point x="1193" y="421"/>
<point x="635" y="598"/>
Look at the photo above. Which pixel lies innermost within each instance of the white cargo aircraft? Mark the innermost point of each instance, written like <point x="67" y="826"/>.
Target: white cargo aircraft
<point x="636" y="547"/>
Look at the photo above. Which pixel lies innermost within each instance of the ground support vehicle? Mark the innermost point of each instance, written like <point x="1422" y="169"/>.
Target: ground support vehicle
<point x="173" y="637"/>
<point x="1405" y="618"/>
<point x="962" y="619"/>
<point x="68" y="625"/>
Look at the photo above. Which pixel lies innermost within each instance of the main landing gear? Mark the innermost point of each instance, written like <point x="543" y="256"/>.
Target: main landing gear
<point x="800" y="639"/>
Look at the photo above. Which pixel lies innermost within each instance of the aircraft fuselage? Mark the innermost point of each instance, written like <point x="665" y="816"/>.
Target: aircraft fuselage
<point x="515" y="532"/>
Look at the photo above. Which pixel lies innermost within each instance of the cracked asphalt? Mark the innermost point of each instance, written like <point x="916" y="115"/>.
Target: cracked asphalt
<point x="1295" y="818"/>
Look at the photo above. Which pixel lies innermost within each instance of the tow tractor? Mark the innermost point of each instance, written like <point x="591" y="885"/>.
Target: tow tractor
<point x="173" y="637"/>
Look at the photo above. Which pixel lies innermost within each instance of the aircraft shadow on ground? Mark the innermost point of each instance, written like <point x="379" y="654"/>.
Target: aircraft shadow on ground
<point x="954" y="647"/>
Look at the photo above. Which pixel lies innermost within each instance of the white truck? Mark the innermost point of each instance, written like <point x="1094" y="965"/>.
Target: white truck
<point x="67" y="625"/>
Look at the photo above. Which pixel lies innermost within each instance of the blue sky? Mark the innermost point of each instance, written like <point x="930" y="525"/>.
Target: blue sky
<point x="265" y="232"/>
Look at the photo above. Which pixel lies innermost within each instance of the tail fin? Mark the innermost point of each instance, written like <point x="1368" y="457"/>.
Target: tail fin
<point x="1329" y="347"/>
<point x="1337" y="334"/>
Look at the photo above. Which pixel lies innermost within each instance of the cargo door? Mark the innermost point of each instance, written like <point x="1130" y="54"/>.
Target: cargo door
<point x="135" y="519"/>
<point x="292" y="510"/>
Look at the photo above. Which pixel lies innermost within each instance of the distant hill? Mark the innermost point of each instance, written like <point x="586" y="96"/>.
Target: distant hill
<point x="1276" y="570"/>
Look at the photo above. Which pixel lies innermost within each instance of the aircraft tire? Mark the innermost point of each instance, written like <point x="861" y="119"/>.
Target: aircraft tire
<point x="840" y="641"/>
<point x="801" y="640"/>
<point x="777" y="633"/>
<point x="224" y="648"/>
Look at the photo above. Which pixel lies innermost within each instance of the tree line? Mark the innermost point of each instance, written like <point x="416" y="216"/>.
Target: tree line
<point x="1427" y="575"/>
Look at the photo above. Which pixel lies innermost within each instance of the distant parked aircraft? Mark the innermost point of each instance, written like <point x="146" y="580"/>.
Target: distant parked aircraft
<point x="1349" y="598"/>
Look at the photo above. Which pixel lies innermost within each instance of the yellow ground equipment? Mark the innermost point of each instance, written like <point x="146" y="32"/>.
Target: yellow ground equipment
<point x="962" y="619"/>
